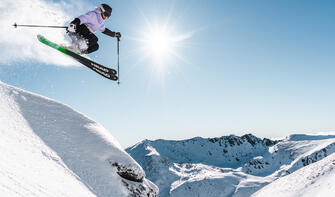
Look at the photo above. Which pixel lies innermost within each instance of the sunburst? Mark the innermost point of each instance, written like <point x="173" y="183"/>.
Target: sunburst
<point x="161" y="43"/>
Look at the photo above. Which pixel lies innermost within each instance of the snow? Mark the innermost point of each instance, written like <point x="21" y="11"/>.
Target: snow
<point x="49" y="149"/>
<point x="228" y="166"/>
<point x="317" y="179"/>
<point x="302" y="137"/>
<point x="78" y="43"/>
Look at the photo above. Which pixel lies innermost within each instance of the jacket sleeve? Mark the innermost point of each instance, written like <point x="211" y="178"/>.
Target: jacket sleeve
<point x="109" y="32"/>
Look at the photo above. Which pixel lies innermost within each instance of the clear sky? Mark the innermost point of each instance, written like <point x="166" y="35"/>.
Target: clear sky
<point x="222" y="67"/>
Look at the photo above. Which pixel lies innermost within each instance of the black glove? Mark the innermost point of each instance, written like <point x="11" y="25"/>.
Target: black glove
<point x="118" y="34"/>
<point x="73" y="26"/>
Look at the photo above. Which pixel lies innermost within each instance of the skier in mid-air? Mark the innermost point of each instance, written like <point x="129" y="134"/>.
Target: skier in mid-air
<point x="84" y="27"/>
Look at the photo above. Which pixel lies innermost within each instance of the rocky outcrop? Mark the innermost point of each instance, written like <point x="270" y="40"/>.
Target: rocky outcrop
<point x="127" y="172"/>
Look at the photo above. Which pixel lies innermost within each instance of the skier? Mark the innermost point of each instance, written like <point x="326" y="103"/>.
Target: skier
<point x="84" y="27"/>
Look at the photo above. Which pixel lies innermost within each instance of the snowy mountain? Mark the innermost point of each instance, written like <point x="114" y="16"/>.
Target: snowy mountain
<point x="49" y="149"/>
<point x="317" y="179"/>
<point x="226" y="166"/>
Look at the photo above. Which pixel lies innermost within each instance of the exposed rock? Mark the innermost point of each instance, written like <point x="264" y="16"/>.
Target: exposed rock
<point x="147" y="189"/>
<point x="127" y="173"/>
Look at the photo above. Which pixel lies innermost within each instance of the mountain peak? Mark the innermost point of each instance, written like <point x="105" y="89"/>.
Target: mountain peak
<point x="233" y="140"/>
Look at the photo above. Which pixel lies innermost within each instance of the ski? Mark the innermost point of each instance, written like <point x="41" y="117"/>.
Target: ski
<point x="106" y="72"/>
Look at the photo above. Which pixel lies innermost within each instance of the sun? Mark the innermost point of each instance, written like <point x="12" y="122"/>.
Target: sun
<point x="159" y="44"/>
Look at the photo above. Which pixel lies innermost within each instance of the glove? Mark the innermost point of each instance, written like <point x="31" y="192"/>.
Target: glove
<point x="118" y="34"/>
<point x="71" y="28"/>
<point x="112" y="33"/>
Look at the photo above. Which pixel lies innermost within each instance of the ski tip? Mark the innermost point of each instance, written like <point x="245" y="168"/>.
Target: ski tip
<point x="40" y="37"/>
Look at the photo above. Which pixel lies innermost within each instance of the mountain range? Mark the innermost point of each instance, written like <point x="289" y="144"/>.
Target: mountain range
<point x="230" y="165"/>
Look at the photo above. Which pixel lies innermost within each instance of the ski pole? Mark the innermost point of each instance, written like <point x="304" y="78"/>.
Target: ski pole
<point x="46" y="26"/>
<point x="118" y="60"/>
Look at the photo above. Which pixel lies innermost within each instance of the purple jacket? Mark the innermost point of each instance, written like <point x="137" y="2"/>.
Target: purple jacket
<point x="93" y="20"/>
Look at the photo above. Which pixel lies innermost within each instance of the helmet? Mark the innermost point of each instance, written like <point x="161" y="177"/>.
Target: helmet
<point x="106" y="10"/>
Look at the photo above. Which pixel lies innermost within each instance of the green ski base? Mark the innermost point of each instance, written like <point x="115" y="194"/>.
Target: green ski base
<point x="54" y="45"/>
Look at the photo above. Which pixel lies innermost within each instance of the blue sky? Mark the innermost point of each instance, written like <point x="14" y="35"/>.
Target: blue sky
<point x="261" y="67"/>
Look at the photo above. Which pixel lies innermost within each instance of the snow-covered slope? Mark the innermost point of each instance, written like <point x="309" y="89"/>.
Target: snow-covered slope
<point x="226" y="166"/>
<point x="48" y="149"/>
<point x="317" y="179"/>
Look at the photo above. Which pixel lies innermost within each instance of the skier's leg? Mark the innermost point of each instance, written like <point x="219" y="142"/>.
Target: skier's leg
<point x="92" y="43"/>
<point x="92" y="48"/>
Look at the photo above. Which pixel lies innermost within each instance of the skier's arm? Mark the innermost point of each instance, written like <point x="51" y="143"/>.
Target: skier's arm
<point x="112" y="33"/>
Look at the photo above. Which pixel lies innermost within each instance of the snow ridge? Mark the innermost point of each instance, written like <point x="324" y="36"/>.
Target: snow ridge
<point x="66" y="153"/>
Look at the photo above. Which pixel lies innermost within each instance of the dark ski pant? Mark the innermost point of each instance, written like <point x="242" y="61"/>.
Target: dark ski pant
<point x="92" y="39"/>
<point x="92" y="43"/>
